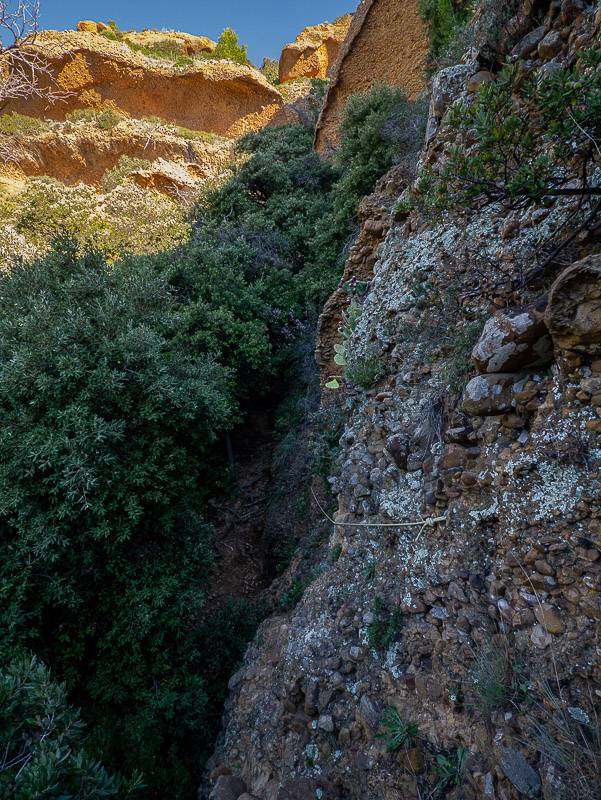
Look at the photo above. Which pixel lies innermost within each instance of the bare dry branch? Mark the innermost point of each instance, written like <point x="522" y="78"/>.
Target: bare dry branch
<point x="24" y="69"/>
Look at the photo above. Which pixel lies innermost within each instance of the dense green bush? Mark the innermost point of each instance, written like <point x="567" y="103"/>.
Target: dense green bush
<point x="229" y="48"/>
<point x="380" y="128"/>
<point x="106" y="426"/>
<point x="246" y="277"/>
<point x="42" y="749"/>
<point x="13" y="124"/>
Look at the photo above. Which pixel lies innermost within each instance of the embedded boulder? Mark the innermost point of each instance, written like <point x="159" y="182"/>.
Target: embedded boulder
<point x="574" y="312"/>
<point x="314" y="51"/>
<point x="513" y="340"/>
<point x="489" y="395"/>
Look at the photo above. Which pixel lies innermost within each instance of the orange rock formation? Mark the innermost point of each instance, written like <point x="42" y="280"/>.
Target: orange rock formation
<point x="387" y="42"/>
<point x="216" y="96"/>
<point x="314" y="51"/>
<point x="83" y="153"/>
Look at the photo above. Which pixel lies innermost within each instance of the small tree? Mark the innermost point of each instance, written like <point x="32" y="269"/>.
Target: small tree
<point x="525" y="141"/>
<point x="229" y="48"/>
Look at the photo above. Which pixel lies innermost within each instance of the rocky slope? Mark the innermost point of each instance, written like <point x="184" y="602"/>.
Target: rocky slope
<point x="387" y="42"/>
<point x="462" y="589"/>
<point x="82" y="151"/>
<point x="314" y="51"/>
<point x="95" y="72"/>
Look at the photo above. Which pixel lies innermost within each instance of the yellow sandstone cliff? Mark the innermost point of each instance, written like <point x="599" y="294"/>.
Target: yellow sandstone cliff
<point x="388" y="43"/>
<point x="314" y="51"/>
<point x="215" y="96"/>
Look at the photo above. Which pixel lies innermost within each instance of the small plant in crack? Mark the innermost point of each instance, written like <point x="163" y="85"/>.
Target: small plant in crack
<point x="396" y="731"/>
<point x="449" y="770"/>
<point x="386" y="626"/>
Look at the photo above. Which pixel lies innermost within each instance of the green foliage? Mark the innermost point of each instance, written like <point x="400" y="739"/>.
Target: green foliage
<point x="113" y="33"/>
<point x="397" y="732"/>
<point x="335" y="554"/>
<point x="121" y="171"/>
<point x="291" y="598"/>
<point x="271" y="70"/>
<point x="385" y="628"/>
<point x="106" y="428"/>
<point x="245" y="277"/>
<point x="365" y="369"/>
<point x="380" y="128"/>
<point x="531" y="137"/>
<point x="42" y="748"/>
<point x="491" y="679"/>
<point x="449" y="771"/>
<point x="127" y="219"/>
<point x="228" y="47"/>
<point x="446" y="20"/>
<point x="165" y="50"/>
<point x="13" y="124"/>
<point x="106" y="119"/>
<point x="369" y="572"/>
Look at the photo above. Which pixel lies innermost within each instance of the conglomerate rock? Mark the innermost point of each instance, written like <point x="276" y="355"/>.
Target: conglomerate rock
<point x="463" y="588"/>
<point x="388" y="43"/>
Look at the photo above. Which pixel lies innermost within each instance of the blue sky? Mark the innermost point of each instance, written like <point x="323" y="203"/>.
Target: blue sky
<point x="265" y="25"/>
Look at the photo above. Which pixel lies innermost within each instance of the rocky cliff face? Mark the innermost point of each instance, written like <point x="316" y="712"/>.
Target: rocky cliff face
<point x="314" y="51"/>
<point x="216" y="96"/>
<point x="82" y="152"/>
<point x="459" y="609"/>
<point x="387" y="42"/>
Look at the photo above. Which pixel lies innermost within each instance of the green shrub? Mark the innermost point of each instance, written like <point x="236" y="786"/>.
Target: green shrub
<point x="106" y="428"/>
<point x="292" y="597"/>
<point x="42" y="748"/>
<point x="106" y="119"/>
<point x="271" y="70"/>
<point x="121" y="171"/>
<point x="531" y="139"/>
<point x="13" y="124"/>
<point x="165" y="49"/>
<point x="385" y="628"/>
<point x="447" y="21"/>
<point x="380" y="128"/>
<point x="128" y="219"/>
<point x="229" y="48"/>
<point x="365" y="370"/>
<point x="449" y="770"/>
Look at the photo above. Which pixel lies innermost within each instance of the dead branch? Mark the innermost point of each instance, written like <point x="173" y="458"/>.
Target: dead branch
<point x="24" y="70"/>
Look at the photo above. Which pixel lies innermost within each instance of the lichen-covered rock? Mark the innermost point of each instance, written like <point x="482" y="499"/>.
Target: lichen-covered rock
<point x="388" y="43"/>
<point x="447" y="86"/>
<point x="514" y="340"/>
<point x="314" y="51"/>
<point x="574" y="312"/>
<point x="488" y="395"/>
